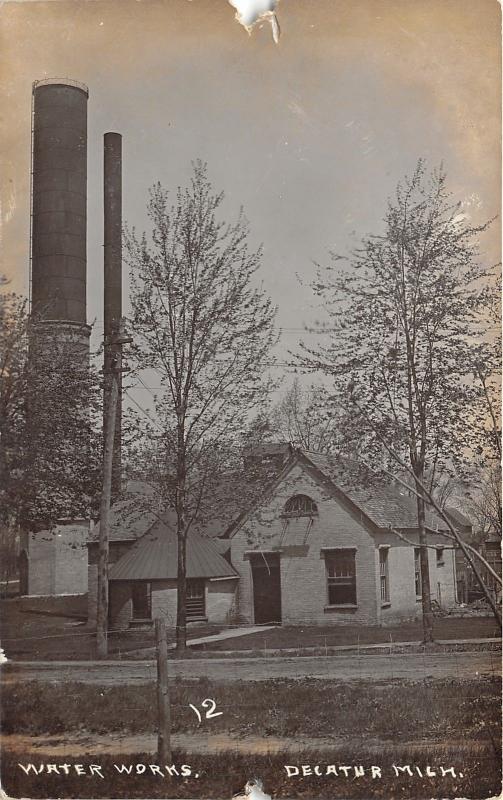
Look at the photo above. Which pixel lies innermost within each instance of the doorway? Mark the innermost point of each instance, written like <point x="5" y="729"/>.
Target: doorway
<point x="266" y="577"/>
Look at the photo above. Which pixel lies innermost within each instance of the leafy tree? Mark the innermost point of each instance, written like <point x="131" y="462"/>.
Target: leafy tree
<point x="50" y="444"/>
<point x="200" y="322"/>
<point x="405" y="313"/>
<point x="13" y="389"/>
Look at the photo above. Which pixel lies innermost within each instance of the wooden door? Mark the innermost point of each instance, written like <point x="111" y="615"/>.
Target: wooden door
<point x="266" y="575"/>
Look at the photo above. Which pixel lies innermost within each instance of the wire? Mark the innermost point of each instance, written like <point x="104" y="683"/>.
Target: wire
<point x="153" y="421"/>
<point x="148" y="388"/>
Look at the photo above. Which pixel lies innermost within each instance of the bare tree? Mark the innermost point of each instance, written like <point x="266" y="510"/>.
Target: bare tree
<point x="405" y="312"/>
<point x="303" y="416"/>
<point x="207" y="330"/>
<point x="485" y="477"/>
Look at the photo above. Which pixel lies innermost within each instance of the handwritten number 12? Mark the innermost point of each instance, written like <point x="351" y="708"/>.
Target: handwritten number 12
<point x="210" y="705"/>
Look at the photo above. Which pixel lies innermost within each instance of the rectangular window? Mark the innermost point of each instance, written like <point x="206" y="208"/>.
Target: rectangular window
<point x="383" y="574"/>
<point x="493" y="555"/>
<point x="341" y="577"/>
<point x="417" y="571"/>
<point x="142" y="600"/>
<point x="196" y="606"/>
<point x="493" y="558"/>
<point x="440" y="556"/>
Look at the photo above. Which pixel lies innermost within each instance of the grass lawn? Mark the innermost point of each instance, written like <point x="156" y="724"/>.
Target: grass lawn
<point x="421" y="723"/>
<point x="35" y="628"/>
<point x="39" y="630"/>
<point x="332" y="635"/>
<point x="396" y="711"/>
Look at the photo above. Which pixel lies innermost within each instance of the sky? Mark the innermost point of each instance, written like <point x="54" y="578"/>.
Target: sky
<point x="310" y="135"/>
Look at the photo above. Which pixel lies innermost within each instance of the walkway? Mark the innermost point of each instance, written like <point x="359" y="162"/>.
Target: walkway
<point x="232" y="633"/>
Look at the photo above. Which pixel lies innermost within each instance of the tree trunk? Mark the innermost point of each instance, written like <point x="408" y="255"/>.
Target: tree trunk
<point x="425" y="570"/>
<point x="181" y="605"/>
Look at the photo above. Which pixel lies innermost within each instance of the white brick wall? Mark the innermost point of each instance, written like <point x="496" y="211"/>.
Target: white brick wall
<point x="303" y="577"/>
<point x="58" y="560"/>
<point x="71" y="559"/>
<point x="41" y="563"/>
<point x="164" y="601"/>
<point x="221" y="600"/>
<point x="403" y="603"/>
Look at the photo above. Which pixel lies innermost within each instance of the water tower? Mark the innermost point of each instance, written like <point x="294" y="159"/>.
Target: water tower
<point x="59" y="209"/>
<point x="55" y="560"/>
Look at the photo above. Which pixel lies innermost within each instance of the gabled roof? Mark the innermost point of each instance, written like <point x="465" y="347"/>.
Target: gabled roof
<point x="154" y="556"/>
<point x="383" y="505"/>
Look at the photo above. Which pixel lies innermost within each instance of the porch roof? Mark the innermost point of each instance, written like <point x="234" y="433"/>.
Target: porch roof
<point x="154" y="557"/>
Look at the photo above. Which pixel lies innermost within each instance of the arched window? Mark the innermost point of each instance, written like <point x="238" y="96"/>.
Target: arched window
<point x="300" y="505"/>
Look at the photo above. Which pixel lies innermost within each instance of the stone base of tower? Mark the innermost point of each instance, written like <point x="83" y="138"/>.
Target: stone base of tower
<point x="53" y="337"/>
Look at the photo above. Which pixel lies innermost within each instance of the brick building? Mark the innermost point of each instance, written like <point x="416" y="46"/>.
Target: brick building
<point x="143" y="573"/>
<point x="126" y="525"/>
<point x="54" y="562"/>
<point x="320" y="548"/>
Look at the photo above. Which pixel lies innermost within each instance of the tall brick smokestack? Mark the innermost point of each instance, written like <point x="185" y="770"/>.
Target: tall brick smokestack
<point x="112" y="161"/>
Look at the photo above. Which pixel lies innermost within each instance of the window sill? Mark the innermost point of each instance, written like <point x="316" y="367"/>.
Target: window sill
<point x="440" y="563"/>
<point x="295" y="514"/>
<point x="419" y="598"/>
<point x="340" y="607"/>
<point x="386" y="604"/>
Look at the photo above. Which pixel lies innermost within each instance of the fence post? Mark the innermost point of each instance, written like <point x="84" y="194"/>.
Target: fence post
<point x="163" y="706"/>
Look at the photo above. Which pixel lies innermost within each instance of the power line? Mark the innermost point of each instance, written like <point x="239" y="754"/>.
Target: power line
<point x="148" y="388"/>
<point x="280" y="330"/>
<point x="126" y="392"/>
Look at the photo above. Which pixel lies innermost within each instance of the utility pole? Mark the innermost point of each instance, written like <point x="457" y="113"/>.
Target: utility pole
<point x="112" y="281"/>
<point x="112" y="379"/>
<point x="163" y="704"/>
<point x="112" y="366"/>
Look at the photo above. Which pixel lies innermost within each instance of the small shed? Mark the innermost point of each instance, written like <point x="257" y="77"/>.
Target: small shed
<point x="143" y="582"/>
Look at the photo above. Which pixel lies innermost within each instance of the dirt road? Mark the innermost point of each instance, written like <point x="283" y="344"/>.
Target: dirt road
<point x="412" y="666"/>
